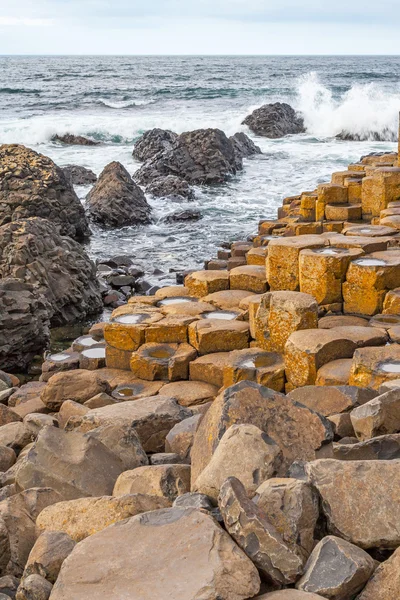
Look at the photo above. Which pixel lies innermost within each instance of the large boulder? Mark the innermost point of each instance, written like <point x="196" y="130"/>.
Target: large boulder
<point x="79" y="175"/>
<point x="71" y="139"/>
<point x="360" y="499"/>
<point x="204" y="156"/>
<point x="297" y="430"/>
<point x="71" y="463"/>
<point x="152" y="142"/>
<point x="24" y="324"/>
<point x="244" y="147"/>
<point x="275" y="121"/>
<point x="78" y="385"/>
<point x="116" y="201"/>
<point x="170" y="187"/>
<point x="32" y="185"/>
<point x="32" y="251"/>
<point x="48" y="554"/>
<point x="171" y="554"/>
<point x="385" y="582"/>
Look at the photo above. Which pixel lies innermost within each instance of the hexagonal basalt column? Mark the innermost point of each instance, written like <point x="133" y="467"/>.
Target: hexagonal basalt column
<point x="323" y="270"/>
<point x="382" y="187"/>
<point x="279" y="315"/>
<point x="162" y="361"/>
<point x="127" y="331"/>
<point x="368" y="280"/>
<point x="373" y="366"/>
<point x="391" y="306"/>
<point x="283" y="260"/>
<point x="265" y="368"/>
<point x="251" y="278"/>
<point x="202" y="283"/>
<point x="218" y="335"/>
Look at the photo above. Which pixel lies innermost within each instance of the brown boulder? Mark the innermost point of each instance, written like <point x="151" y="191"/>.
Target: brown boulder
<point x="166" y="481"/>
<point x="78" y="385"/>
<point x="385" y="582"/>
<point x="48" y="554"/>
<point x="377" y="417"/>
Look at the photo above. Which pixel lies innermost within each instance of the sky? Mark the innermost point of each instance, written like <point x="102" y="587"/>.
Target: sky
<point x="199" y="27"/>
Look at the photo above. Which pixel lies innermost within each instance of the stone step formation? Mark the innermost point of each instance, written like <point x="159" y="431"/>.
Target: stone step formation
<point x="234" y="437"/>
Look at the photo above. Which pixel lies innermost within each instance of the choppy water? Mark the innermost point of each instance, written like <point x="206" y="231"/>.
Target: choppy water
<point x="115" y="99"/>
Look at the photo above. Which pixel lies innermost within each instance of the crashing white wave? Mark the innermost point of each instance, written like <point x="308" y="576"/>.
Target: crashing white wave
<point x="124" y="103"/>
<point x="364" y="112"/>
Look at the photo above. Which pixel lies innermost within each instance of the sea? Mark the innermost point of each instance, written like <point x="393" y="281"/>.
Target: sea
<point x="114" y="99"/>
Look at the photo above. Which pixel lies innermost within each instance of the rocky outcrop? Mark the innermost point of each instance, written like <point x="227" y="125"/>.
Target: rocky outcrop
<point x="184" y="215"/>
<point x="244" y="147"/>
<point x="116" y="200"/>
<point x="31" y="185"/>
<point x="79" y="175"/>
<point x="204" y="156"/>
<point x="24" y="324"/>
<point x="33" y="252"/>
<point x="152" y="142"/>
<point x="275" y="121"/>
<point x="170" y="187"/>
<point x="74" y="140"/>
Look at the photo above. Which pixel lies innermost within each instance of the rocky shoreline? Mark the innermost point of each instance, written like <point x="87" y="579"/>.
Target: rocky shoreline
<point x="234" y="436"/>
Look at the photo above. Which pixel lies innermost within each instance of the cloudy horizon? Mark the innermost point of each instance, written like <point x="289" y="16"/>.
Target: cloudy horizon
<point x="168" y="27"/>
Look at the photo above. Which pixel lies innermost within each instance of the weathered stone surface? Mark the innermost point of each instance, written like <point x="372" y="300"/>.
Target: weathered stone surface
<point x="275" y="121"/>
<point x="79" y="175"/>
<point x="7" y="458"/>
<point x="16" y="436"/>
<point x="371" y="367"/>
<point x="291" y="506"/>
<point x="8" y="586"/>
<point x="78" y="385"/>
<point x="297" y="430"/>
<point x="244" y="452"/>
<point x="180" y="438"/>
<point x="166" y="481"/>
<point x="384" y="447"/>
<point x="116" y="201"/>
<point x="31" y="185"/>
<point x="83" y="517"/>
<point x="243" y="146"/>
<point x="218" y="335"/>
<point x="170" y="187"/>
<point x="48" y="554"/>
<point x="152" y="142"/>
<point x="254" y="364"/>
<point x="250" y="528"/>
<point x="71" y="463"/>
<point x="24" y="324"/>
<point x="34" y="587"/>
<point x="204" y="156"/>
<point x="190" y="393"/>
<point x="214" y="566"/>
<point x="336" y="569"/>
<point x="378" y="416"/>
<point x="18" y="514"/>
<point x="32" y="251"/>
<point x="330" y="400"/>
<point x="360" y="499"/>
<point x="385" y="582"/>
<point x="152" y="418"/>
<point x="288" y="595"/>
<point x="74" y="140"/>
<point x="123" y="442"/>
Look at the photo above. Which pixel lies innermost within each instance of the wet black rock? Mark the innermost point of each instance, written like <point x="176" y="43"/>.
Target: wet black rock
<point x="152" y="142"/>
<point x="116" y="200"/>
<point x="244" y="146"/>
<point x="203" y="157"/>
<point x="275" y="121"/>
<point x="32" y="251"/>
<point x="32" y="185"/>
<point x="24" y="324"/>
<point x="184" y="215"/>
<point x="170" y="187"/>
<point x="79" y="175"/>
<point x="74" y="140"/>
<point x="386" y="135"/>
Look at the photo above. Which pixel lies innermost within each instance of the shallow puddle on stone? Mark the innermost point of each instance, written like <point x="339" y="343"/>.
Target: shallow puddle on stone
<point x="220" y="314"/>
<point x="130" y="319"/>
<point x="87" y="341"/>
<point x="175" y="300"/>
<point x="161" y="353"/>
<point x="94" y="353"/>
<point x="390" y="367"/>
<point x="331" y="251"/>
<point x="58" y="357"/>
<point x="370" y="262"/>
<point x="126" y="392"/>
<point x="257" y="362"/>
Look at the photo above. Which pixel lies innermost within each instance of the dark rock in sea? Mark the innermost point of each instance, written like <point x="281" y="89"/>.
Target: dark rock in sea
<point x="32" y="251"/>
<point x="244" y="146"/>
<point x="170" y="187"/>
<point x="152" y="142"/>
<point x="204" y="156"/>
<point x="386" y="135"/>
<point x="275" y="121"/>
<point x="116" y="200"/>
<point x="74" y="140"/>
<point x="32" y="185"/>
<point x="184" y="215"/>
<point x="24" y="324"/>
<point x="79" y="175"/>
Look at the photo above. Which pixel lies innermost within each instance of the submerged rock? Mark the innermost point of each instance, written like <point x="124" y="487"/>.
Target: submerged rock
<point x="116" y="200"/>
<point x="184" y="215"/>
<point x="244" y="146"/>
<point x="74" y="140"/>
<point x="32" y="251"/>
<point x="275" y="121"/>
<point x="79" y="175"/>
<point x="24" y="324"/>
<point x="32" y="185"/>
<point x="153" y="141"/>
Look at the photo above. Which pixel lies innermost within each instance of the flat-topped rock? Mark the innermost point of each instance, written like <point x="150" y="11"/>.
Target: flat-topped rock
<point x="275" y="121"/>
<point x="330" y="400"/>
<point x="203" y="283"/>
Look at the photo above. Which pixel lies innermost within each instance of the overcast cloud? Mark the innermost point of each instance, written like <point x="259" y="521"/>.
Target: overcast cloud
<point x="199" y="27"/>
